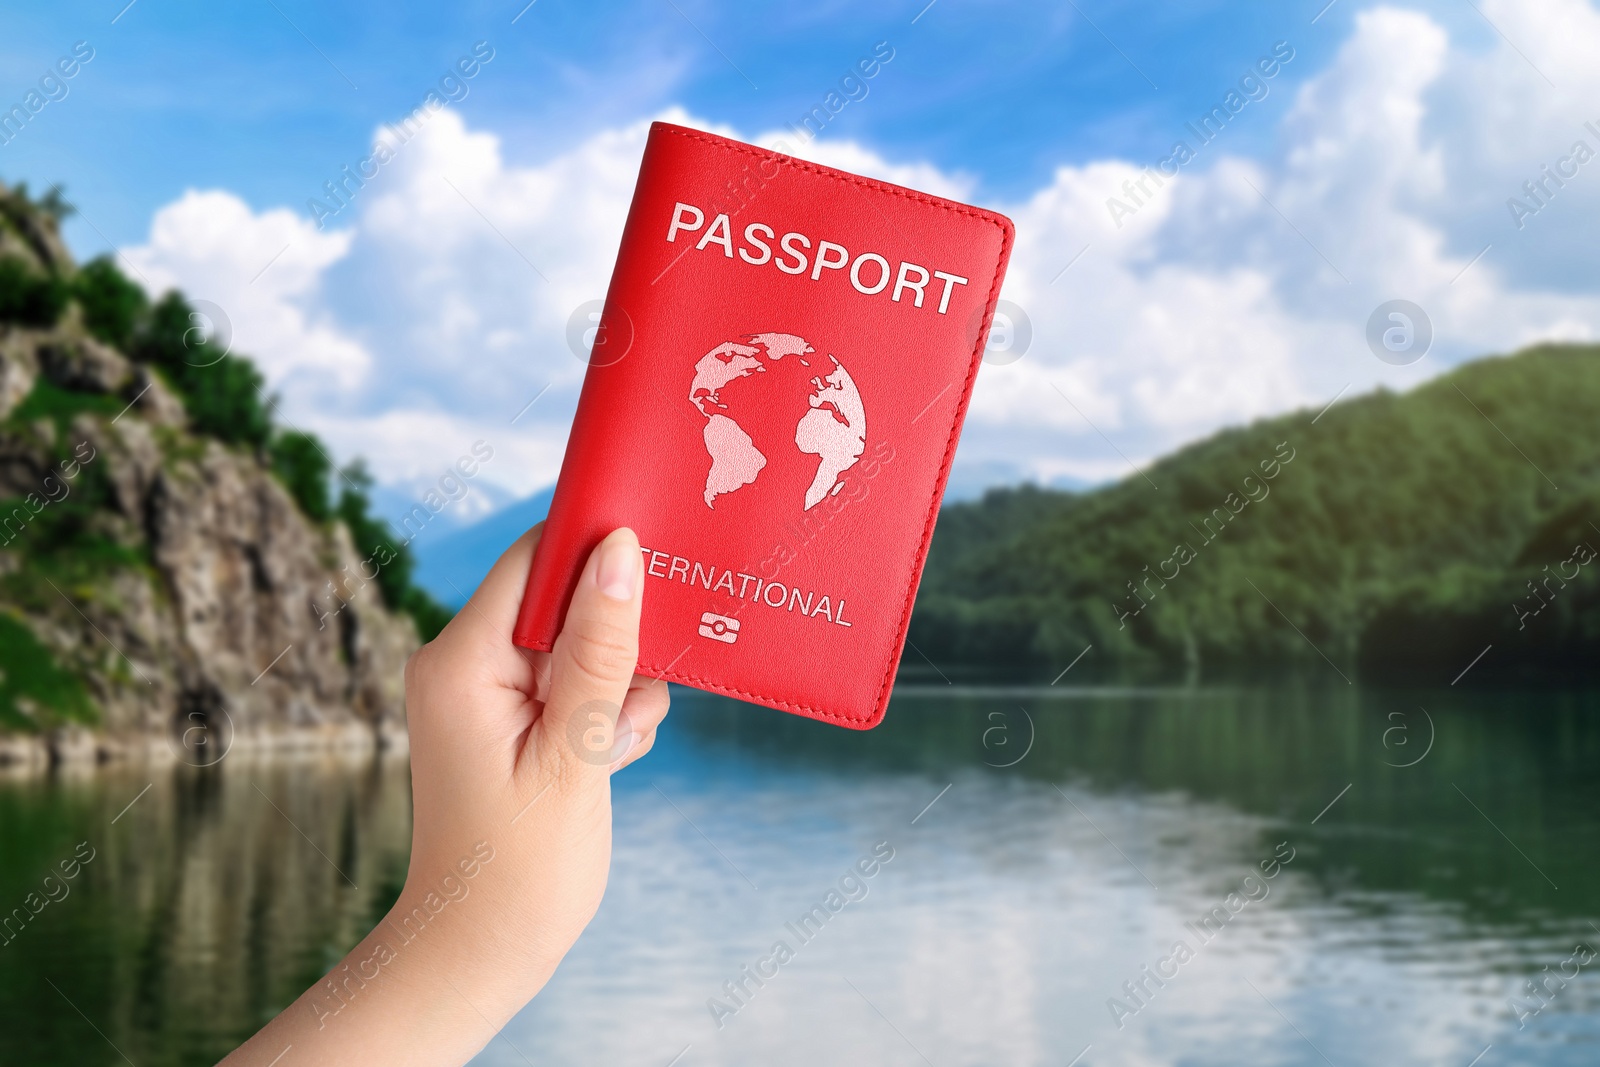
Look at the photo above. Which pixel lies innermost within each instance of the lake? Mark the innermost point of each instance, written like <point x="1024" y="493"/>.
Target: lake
<point x="1356" y="877"/>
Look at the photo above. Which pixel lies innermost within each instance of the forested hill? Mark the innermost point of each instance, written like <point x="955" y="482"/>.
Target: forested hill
<point x="174" y="565"/>
<point x="1393" y="535"/>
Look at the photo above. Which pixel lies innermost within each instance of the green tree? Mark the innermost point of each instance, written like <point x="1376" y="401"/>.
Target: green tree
<point x="29" y="297"/>
<point x="113" y="307"/>
<point x="222" y="392"/>
<point x="301" y="462"/>
<point x="375" y="540"/>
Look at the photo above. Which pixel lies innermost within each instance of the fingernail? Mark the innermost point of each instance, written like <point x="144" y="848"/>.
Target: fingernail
<point x="619" y="568"/>
<point x="624" y="740"/>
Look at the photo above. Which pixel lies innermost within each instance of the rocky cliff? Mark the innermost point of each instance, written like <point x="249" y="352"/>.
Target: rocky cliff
<point x="161" y="588"/>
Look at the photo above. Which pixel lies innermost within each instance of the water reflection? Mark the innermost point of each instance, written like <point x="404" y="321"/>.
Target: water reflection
<point x="1013" y="914"/>
<point x="207" y="906"/>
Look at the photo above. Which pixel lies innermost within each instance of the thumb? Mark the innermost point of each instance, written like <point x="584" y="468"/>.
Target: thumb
<point x="592" y="662"/>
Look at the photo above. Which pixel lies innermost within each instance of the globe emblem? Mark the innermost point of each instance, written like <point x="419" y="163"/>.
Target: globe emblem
<point x="832" y="424"/>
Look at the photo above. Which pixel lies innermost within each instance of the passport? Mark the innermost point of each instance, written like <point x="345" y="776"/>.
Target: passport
<point x="772" y="403"/>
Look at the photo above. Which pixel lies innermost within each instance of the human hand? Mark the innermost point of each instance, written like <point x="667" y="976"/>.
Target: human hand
<point x="515" y="749"/>
<point x="511" y="757"/>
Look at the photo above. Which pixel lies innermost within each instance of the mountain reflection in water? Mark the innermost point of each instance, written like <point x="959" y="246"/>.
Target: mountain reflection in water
<point x="1046" y="851"/>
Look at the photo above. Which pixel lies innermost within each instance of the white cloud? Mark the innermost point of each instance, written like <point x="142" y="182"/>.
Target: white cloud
<point x="461" y="269"/>
<point x="847" y="155"/>
<point x="1238" y="289"/>
<point x="264" y="270"/>
<point x="1242" y="289"/>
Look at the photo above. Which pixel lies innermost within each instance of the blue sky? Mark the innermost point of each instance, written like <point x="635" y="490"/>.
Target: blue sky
<point x="1377" y="166"/>
<point x="194" y="94"/>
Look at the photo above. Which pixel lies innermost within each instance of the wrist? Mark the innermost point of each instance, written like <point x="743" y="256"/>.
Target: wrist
<point x="462" y="929"/>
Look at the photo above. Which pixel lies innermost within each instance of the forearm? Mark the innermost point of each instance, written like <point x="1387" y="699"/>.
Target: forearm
<point x="424" y="987"/>
<point x="512" y="835"/>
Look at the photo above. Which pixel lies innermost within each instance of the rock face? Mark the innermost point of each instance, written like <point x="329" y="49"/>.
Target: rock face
<point x="82" y="363"/>
<point x="229" y="617"/>
<point x="19" y="368"/>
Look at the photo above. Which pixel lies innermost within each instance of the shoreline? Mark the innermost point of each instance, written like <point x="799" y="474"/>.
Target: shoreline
<point x="76" y="750"/>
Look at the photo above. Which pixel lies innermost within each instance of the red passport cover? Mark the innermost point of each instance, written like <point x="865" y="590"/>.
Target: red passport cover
<point x="780" y="373"/>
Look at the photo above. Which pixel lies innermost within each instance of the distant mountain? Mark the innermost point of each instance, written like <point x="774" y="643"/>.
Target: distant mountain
<point x="451" y="565"/>
<point x="1387" y="536"/>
